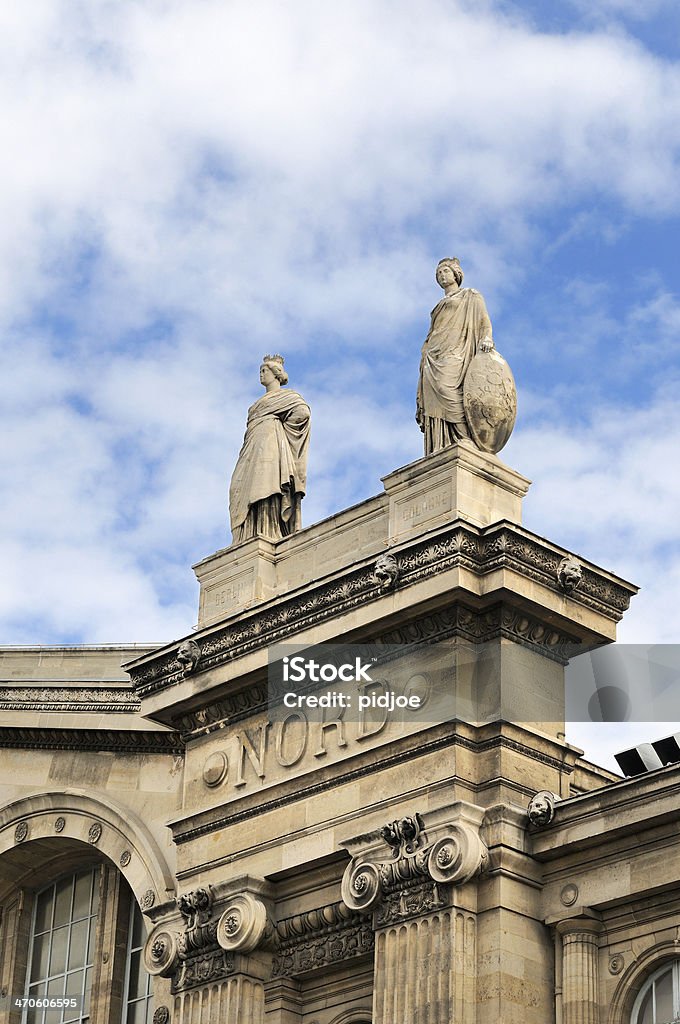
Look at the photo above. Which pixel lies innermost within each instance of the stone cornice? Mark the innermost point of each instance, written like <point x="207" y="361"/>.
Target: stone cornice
<point x="585" y="821"/>
<point x="124" y="741"/>
<point x="480" y="551"/>
<point x="458" y="620"/>
<point x="38" y="698"/>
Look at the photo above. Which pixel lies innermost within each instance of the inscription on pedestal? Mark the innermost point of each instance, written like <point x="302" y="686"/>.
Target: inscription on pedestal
<point x="228" y="594"/>
<point x="416" y="509"/>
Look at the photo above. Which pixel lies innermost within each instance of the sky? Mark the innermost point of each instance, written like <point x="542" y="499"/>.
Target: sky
<point x="188" y="184"/>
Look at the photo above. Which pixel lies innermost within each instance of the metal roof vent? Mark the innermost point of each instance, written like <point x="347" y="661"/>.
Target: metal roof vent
<point x="645" y="757"/>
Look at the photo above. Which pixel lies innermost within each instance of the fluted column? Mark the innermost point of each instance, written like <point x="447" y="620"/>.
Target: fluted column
<point x="580" y="973"/>
<point x="425" y="937"/>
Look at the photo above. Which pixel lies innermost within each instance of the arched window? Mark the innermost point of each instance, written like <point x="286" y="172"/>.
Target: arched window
<point x="62" y="948"/>
<point x="658" y="1001"/>
<point x="87" y="955"/>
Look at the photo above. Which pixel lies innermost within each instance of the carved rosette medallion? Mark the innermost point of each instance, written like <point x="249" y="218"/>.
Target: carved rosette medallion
<point x="148" y="899"/>
<point x="244" y="925"/>
<point x="95" y="833"/>
<point x="161" y="1015"/>
<point x="125" y="858"/>
<point x="60" y="824"/>
<point x="616" y="963"/>
<point x="569" y="894"/>
<point x="161" y="953"/>
<point x="21" y="832"/>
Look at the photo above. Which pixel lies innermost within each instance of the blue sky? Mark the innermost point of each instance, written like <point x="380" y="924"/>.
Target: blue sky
<point x="188" y="184"/>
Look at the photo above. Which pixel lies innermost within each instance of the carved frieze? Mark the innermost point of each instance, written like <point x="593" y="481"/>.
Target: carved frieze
<point x="321" y="937"/>
<point x="480" y="550"/>
<point x="124" y="741"/>
<point x="68" y="698"/>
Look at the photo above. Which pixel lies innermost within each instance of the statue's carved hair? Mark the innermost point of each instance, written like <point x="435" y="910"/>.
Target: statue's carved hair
<point x="275" y="364"/>
<point x="454" y="263"/>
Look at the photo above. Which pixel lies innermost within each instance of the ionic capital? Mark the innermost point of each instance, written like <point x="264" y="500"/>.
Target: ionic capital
<point x="442" y="847"/>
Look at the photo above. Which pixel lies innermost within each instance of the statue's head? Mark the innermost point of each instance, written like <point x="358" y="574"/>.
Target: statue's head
<point x="453" y="263"/>
<point x="275" y="365"/>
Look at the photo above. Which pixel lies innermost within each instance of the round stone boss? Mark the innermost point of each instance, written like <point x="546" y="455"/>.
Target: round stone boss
<point x="215" y="769"/>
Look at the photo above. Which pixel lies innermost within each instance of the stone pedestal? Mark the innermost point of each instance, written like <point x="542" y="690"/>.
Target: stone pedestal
<point x="580" y="978"/>
<point x="459" y="482"/>
<point x="236" y="578"/>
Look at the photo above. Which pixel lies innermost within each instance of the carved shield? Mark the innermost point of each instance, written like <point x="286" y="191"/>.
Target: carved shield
<point x="489" y="400"/>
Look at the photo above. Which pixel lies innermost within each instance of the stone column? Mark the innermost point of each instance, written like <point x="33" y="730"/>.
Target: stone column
<point x="283" y="1001"/>
<point x="580" y="975"/>
<point x="425" y="933"/>
<point x="219" y="961"/>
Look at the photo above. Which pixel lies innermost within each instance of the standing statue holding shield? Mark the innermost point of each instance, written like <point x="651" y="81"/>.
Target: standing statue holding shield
<point x="466" y="389"/>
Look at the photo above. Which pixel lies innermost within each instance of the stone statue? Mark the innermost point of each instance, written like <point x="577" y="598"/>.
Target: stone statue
<point x="270" y="477"/>
<point x="465" y="390"/>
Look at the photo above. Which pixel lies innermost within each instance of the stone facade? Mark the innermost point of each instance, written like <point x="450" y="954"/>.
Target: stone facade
<point x="292" y="869"/>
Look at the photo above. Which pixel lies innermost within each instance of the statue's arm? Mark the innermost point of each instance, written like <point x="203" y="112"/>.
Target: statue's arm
<point x="299" y="414"/>
<point x="485" y="329"/>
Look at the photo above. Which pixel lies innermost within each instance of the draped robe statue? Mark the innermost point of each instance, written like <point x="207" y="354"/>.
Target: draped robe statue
<point x="270" y="477"/>
<point x="460" y="327"/>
